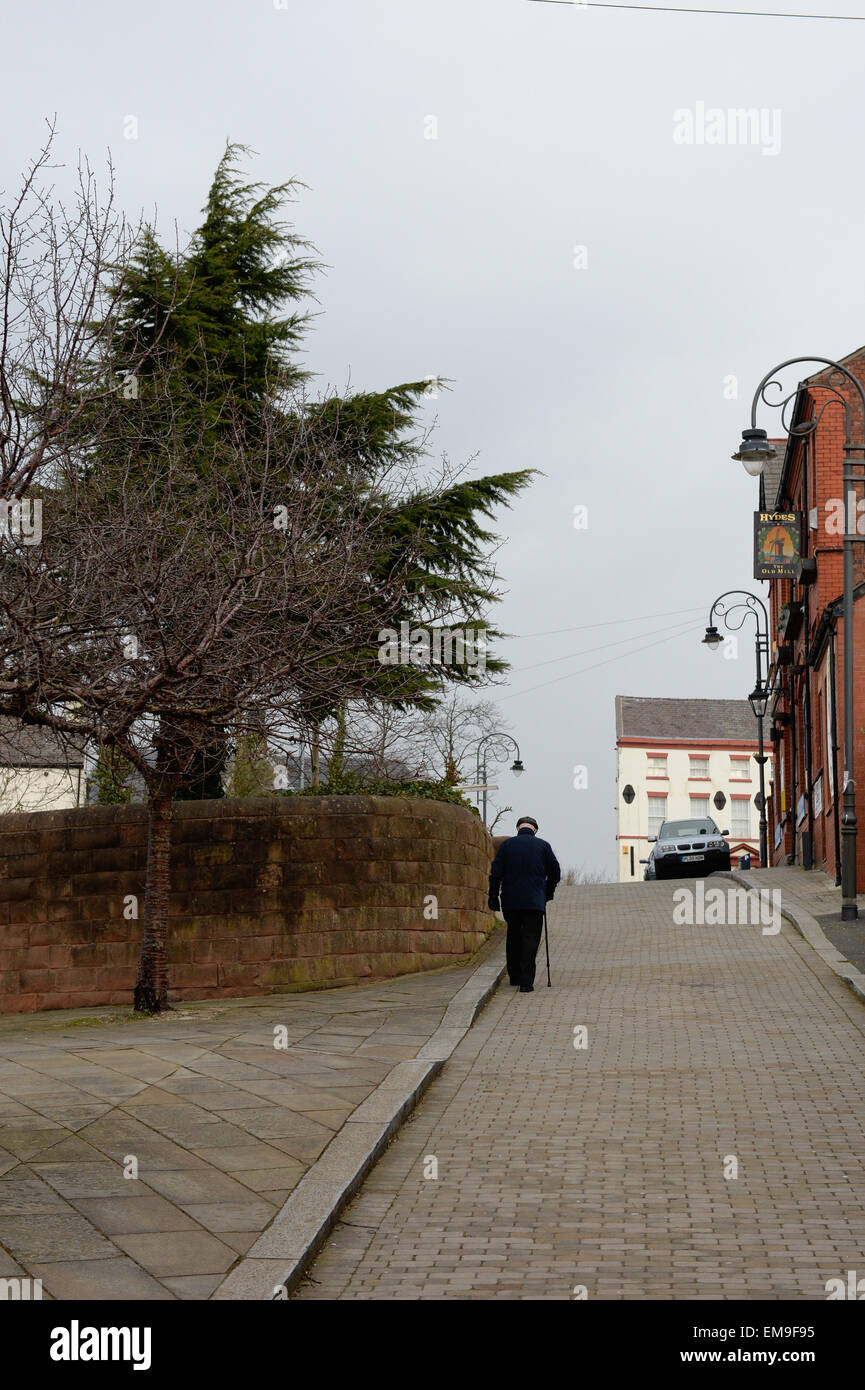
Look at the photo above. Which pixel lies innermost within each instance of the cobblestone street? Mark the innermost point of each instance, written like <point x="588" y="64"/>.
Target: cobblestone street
<point x="603" y="1168"/>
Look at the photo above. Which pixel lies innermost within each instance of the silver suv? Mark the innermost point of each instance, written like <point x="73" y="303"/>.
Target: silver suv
<point x="690" y="848"/>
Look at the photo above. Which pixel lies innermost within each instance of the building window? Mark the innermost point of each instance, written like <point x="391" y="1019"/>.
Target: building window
<point x="740" y="769"/>
<point x="657" y="812"/>
<point x="740" y="817"/>
<point x="699" y="766"/>
<point x="700" y="807"/>
<point x="657" y="765"/>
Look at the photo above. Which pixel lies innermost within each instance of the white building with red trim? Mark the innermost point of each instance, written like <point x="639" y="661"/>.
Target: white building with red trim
<point x="678" y="759"/>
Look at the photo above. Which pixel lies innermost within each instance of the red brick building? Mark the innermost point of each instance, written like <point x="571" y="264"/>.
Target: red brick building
<point x="806" y="635"/>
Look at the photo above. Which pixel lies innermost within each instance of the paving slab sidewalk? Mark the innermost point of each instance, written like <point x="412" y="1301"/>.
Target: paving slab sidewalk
<point x="812" y="902"/>
<point x="143" y="1158"/>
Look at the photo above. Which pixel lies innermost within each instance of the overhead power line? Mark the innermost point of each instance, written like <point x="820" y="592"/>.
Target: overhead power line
<point x="686" y="9"/>
<point x="604" y="646"/>
<point x="607" y="622"/>
<point x="585" y="669"/>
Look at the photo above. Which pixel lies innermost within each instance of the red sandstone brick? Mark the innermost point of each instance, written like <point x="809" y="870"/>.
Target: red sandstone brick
<point x="15" y="934"/>
<point x="222" y="948"/>
<point x="194" y="976"/>
<point x="116" y="977"/>
<point x="82" y="978"/>
<point x="92" y="954"/>
<point x="21" y="1003"/>
<point x="16" y="890"/>
<point x="57" y="999"/>
<point x="180" y="952"/>
<point x="265" y="948"/>
<point x="35" y="981"/>
<point x="87" y="998"/>
<point x="30" y="958"/>
<point x="235" y="973"/>
<point x="28" y="913"/>
<point x="15" y="843"/>
<point x="355" y="918"/>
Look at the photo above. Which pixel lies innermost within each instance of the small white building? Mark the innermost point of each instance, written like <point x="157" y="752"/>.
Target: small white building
<point x="681" y="758"/>
<point x="38" y="770"/>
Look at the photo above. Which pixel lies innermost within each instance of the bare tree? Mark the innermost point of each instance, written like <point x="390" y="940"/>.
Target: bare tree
<point x="503" y="811"/>
<point x="381" y="741"/>
<point x="580" y="875"/>
<point x="207" y="558"/>
<point x="454" y="729"/>
<point x="208" y="591"/>
<point x="385" y="740"/>
<point x="61" y="287"/>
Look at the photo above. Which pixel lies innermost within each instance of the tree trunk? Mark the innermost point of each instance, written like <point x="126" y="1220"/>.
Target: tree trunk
<point x="315" y="755"/>
<point x="202" y="780"/>
<point x="336" y="766"/>
<point x="151" y="987"/>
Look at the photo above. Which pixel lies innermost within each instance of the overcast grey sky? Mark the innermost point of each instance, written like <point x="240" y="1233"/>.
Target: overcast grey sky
<point x="556" y="129"/>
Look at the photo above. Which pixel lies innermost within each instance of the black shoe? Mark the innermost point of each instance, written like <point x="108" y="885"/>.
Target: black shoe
<point x="527" y="989"/>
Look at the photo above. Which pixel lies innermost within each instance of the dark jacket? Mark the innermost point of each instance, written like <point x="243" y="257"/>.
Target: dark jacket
<point x="525" y="872"/>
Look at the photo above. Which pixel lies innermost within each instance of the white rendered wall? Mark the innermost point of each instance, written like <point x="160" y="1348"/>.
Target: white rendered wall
<point x="39" y="788"/>
<point x="633" y="820"/>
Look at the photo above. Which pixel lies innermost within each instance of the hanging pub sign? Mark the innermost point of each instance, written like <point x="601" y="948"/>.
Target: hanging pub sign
<point x="777" y="544"/>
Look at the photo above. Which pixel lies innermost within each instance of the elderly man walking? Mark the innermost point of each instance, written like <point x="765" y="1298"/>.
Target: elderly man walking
<point x="524" y="874"/>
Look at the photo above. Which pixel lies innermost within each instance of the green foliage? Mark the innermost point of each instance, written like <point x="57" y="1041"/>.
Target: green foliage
<point x="251" y="769"/>
<point x="336" y="771"/>
<point x="215" y="303"/>
<point x="212" y="323"/>
<point x="222" y="320"/>
<point x="246" y="264"/>
<point x="350" y="784"/>
<point x="433" y="561"/>
<point x="439" y="537"/>
<point x="370" y="426"/>
<point x="110" y="776"/>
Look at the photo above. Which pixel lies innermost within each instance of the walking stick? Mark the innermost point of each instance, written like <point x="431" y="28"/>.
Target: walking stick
<point x="547" y="944"/>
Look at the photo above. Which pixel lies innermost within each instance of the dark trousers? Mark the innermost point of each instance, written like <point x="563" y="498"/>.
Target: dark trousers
<point x="523" y="940"/>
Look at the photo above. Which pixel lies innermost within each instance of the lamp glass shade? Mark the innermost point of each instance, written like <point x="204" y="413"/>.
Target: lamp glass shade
<point x="713" y="638"/>
<point x="517" y="768"/>
<point x="753" y="466"/>
<point x="759" y="701"/>
<point x="755" y="451"/>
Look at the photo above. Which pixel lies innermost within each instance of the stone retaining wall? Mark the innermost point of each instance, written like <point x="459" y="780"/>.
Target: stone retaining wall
<point x="268" y="895"/>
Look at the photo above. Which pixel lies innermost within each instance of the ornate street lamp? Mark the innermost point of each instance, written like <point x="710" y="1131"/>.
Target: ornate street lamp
<point x="754" y="451"/>
<point x="759" y="697"/>
<point x="759" y="701"/>
<point x="500" y="746"/>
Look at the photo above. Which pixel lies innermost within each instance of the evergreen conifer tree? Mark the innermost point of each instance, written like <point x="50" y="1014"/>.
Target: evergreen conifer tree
<point x="233" y="297"/>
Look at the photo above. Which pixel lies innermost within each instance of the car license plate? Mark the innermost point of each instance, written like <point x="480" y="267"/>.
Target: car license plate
<point x="692" y="858"/>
